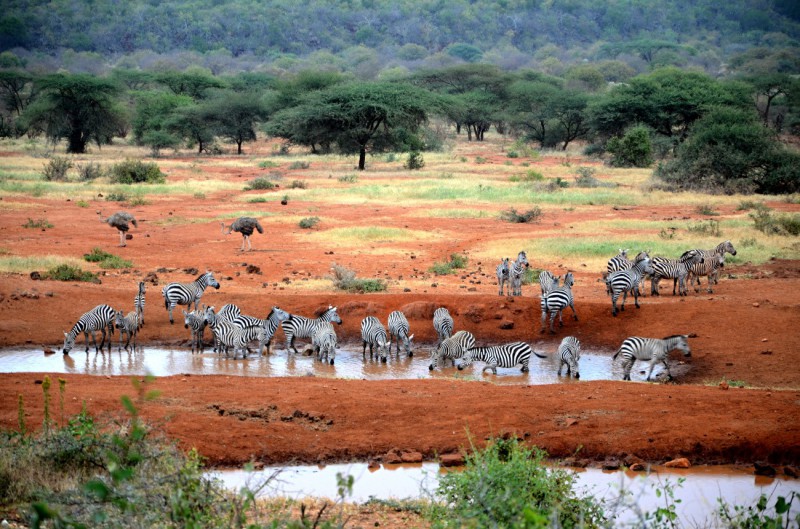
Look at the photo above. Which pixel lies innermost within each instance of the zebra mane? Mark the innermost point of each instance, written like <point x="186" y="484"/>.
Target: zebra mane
<point x="272" y="310"/>
<point x="674" y="336"/>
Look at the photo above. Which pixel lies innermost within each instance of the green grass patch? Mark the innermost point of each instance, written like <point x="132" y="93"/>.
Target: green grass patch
<point x="38" y="223"/>
<point x="106" y="260"/>
<point x="308" y="222"/>
<point x="67" y="272"/>
<point x="27" y="264"/>
<point x="456" y="262"/>
<point x="371" y="234"/>
<point x="345" y="279"/>
<point x="259" y="183"/>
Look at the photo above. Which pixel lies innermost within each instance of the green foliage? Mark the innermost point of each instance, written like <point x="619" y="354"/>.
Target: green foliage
<point x="348" y="178"/>
<point x="66" y="272"/>
<point x="259" y="183"/>
<point x="55" y="170"/>
<point x="298" y="184"/>
<point x="633" y="149"/>
<point x="116" y="196"/>
<point x="465" y="52"/>
<point x="709" y="228"/>
<point x="707" y="209"/>
<point x="456" y="262"/>
<point x="531" y="175"/>
<point x="345" y="279"/>
<point x="158" y="140"/>
<point x="106" y="260"/>
<point x="268" y="164"/>
<point x="300" y="164"/>
<point x="308" y="222"/>
<point x="765" y="221"/>
<point x="585" y="178"/>
<point x="511" y="215"/>
<point x="89" y="171"/>
<point x="509" y="485"/>
<point x="414" y="161"/>
<point x="760" y="516"/>
<point x="136" y="172"/>
<point x="38" y="223"/>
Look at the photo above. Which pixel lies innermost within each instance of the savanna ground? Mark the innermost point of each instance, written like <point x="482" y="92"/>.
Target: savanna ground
<point x="393" y="224"/>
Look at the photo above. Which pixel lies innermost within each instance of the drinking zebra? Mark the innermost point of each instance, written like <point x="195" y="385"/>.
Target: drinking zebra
<point x="568" y="354"/>
<point x="270" y="325"/>
<point x="138" y="303"/>
<point x="675" y="269"/>
<point x="374" y="334"/>
<point x="196" y="322"/>
<point x="516" y="271"/>
<point x="555" y="301"/>
<point x="302" y="327"/>
<point x="502" y="276"/>
<point x="128" y="325"/>
<point x="398" y="329"/>
<point x="506" y="355"/>
<point x="237" y="338"/>
<point x="452" y="348"/>
<point x="187" y="293"/>
<point x="442" y="324"/>
<point x="627" y="280"/>
<point x="548" y="281"/>
<point x="100" y="318"/>
<point x="713" y="260"/>
<point x="324" y="342"/>
<point x="652" y="349"/>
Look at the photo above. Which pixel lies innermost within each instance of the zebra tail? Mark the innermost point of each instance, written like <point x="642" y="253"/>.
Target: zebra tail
<point x="537" y="354"/>
<point x="616" y="354"/>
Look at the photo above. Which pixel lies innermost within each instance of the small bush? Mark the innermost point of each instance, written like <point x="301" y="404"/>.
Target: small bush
<point x="345" y="279"/>
<point x="66" y="272"/>
<point x="707" y="209"/>
<point x="480" y="159"/>
<point x="309" y="222"/>
<point x="445" y="176"/>
<point x="199" y="195"/>
<point x="260" y="184"/>
<point x="39" y="223"/>
<point x="89" y="171"/>
<point x="764" y="221"/>
<point x="530" y="176"/>
<point x="258" y="200"/>
<point x="298" y="184"/>
<point x="511" y="215"/>
<point x="560" y="182"/>
<point x="585" y="178"/>
<point x="709" y="227"/>
<point x="56" y="169"/>
<point x="82" y="204"/>
<point x="512" y="154"/>
<point x="116" y="196"/>
<point x="138" y="200"/>
<point x="633" y="149"/>
<point x="745" y="205"/>
<point x="391" y="157"/>
<point x="414" y="161"/>
<point x="456" y="262"/>
<point x="136" y="172"/>
<point x="106" y="260"/>
<point x="268" y="164"/>
<point x="348" y="179"/>
<point x="300" y="164"/>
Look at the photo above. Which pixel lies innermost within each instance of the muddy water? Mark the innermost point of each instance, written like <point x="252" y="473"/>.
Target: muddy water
<point x="627" y="494"/>
<point x="348" y="364"/>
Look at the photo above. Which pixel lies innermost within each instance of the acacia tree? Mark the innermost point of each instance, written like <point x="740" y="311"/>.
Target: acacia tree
<point x="80" y="108"/>
<point x="355" y="117"/>
<point x="234" y="116"/>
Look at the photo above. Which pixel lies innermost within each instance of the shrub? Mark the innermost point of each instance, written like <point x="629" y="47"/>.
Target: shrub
<point x="39" y="223"/>
<point x="585" y="178"/>
<point x="66" y="272"/>
<point x="764" y="221"/>
<point x="710" y="228"/>
<point x="158" y="140"/>
<point x="136" y="172"/>
<point x="299" y="165"/>
<point x="345" y="279"/>
<point x="511" y="215"/>
<point x="55" y="170"/>
<point x="745" y="205"/>
<point x="348" y="179"/>
<point x="480" y="160"/>
<point x="106" y="260"/>
<point x="309" y="222"/>
<point x="414" y="161"/>
<point x="530" y="176"/>
<point x="116" y="196"/>
<point x="298" y="184"/>
<point x="456" y="261"/>
<point x="268" y="164"/>
<point x="89" y="171"/>
<point x="259" y="183"/>
<point x="633" y="149"/>
<point x="707" y="209"/>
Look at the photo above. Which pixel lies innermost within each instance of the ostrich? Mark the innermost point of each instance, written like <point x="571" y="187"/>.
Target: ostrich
<point x="245" y="226"/>
<point x="120" y="221"/>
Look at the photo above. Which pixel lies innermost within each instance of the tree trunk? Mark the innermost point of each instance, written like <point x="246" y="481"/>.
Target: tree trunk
<point x="362" y="158"/>
<point x="469" y="132"/>
<point x="200" y="147"/>
<point x="77" y="144"/>
<point x="238" y="146"/>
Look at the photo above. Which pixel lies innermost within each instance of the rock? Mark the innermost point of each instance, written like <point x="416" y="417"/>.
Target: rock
<point x="637" y="467"/>
<point x="191" y="271"/>
<point x="49" y="351"/>
<point x="391" y="458"/>
<point x="681" y="462"/>
<point x="630" y="460"/>
<point x="756" y="305"/>
<point x="373" y="464"/>
<point x="36" y="276"/>
<point x="723" y="385"/>
<point x="764" y="469"/>
<point x="128" y="236"/>
<point x="451" y="460"/>
<point x="506" y="324"/>
<point x="570" y="421"/>
<point x="611" y="464"/>
<point x="252" y="269"/>
<point x="411" y="457"/>
<point x="419" y="310"/>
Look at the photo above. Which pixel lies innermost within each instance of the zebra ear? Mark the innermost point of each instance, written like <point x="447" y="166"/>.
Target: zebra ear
<point x="411" y="337"/>
<point x="66" y="335"/>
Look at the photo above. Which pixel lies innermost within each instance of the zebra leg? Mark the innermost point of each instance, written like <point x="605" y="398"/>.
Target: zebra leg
<point x="552" y="322"/>
<point x="624" y="299"/>
<point x="666" y="365"/>
<point x="560" y="366"/>
<point x="626" y="369"/>
<point x="574" y="314"/>
<point x="654" y="286"/>
<point x="652" y="365"/>
<point x="525" y="366"/>
<point x="636" y="298"/>
<point x="614" y="297"/>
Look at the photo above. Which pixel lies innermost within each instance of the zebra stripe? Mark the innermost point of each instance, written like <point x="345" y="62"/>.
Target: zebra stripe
<point x="302" y="327"/>
<point x="516" y="272"/>
<point x="138" y="303"/>
<point x="675" y="269"/>
<point x="100" y="318"/>
<point x="548" y="281"/>
<point x="714" y="259"/>
<point x="555" y="301"/>
<point x="652" y="349"/>
<point x="569" y="353"/>
<point x="324" y="342"/>
<point x="623" y="281"/>
<point x="506" y="355"/>
<point x="269" y="326"/>
<point x="374" y="334"/>
<point x="452" y="348"/>
<point x="187" y="293"/>
<point x="502" y="275"/>
<point x="398" y="329"/>
<point x="128" y="325"/>
<point x="442" y="324"/>
<point x="621" y="262"/>
<point x="196" y="321"/>
<point x="232" y="336"/>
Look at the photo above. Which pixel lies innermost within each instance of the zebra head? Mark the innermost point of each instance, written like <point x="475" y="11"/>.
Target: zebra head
<point x="186" y="319"/>
<point x="434" y="359"/>
<point x="726" y="246"/>
<point x="623" y="253"/>
<point x="331" y="315"/>
<point x="502" y="268"/>
<point x="681" y="344"/>
<point x="278" y="315"/>
<point x="407" y="345"/>
<point x="142" y="287"/>
<point x="119" y="320"/>
<point x="522" y="259"/>
<point x="466" y="360"/>
<point x="569" y="280"/>
<point x="208" y="279"/>
<point x="69" y="342"/>
<point x="691" y="257"/>
<point x="383" y="350"/>
<point x="209" y="317"/>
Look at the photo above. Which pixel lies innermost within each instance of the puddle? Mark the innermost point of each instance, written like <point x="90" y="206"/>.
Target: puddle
<point x="698" y="493"/>
<point x="349" y="364"/>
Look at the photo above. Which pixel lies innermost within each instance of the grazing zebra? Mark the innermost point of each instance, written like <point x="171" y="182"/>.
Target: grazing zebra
<point x="621" y="262"/>
<point x="128" y="325"/>
<point x="138" y="302"/>
<point x="675" y="269"/>
<point x="569" y="353"/>
<point x="516" y="271"/>
<point x="97" y="319"/>
<point x="452" y="348"/>
<point x="374" y="334"/>
<point x="548" y="281"/>
<point x="555" y="301"/>
<point x="502" y="275"/>
<point x="302" y="327"/>
<point x="187" y="293"/>
<point x="652" y="349"/>
<point x="506" y="355"/>
<point x="713" y="260"/>
<point x="442" y="324"/>
<point x="196" y="321"/>
<point x="324" y="342"/>
<point x="398" y="329"/>
<point x="627" y="280"/>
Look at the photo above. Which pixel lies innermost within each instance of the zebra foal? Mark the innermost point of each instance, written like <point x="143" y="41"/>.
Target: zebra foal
<point x="568" y="354"/>
<point x="324" y="342"/>
<point x="374" y="334"/>
<point x="302" y="327"/>
<point x="187" y="293"/>
<point x="100" y="318"/>
<point x="398" y="330"/>
<point x="196" y="322"/>
<point x="652" y="349"/>
<point x="127" y="325"/>
<point x="505" y="355"/>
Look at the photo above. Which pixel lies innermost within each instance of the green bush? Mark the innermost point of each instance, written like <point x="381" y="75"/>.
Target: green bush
<point x="39" y="223"/>
<point x="56" y="169"/>
<point x="532" y="215"/>
<point x="268" y="164"/>
<point x="348" y="179"/>
<point x="89" y="171"/>
<point x="106" y="260"/>
<point x="764" y="221"/>
<point x="584" y="177"/>
<point x="259" y="183"/>
<point x="66" y="272"/>
<point x="414" y="161"/>
<point x="509" y="485"/>
<point x="116" y="196"/>
<point x="633" y="149"/>
<point x="345" y="279"/>
<point x="136" y="172"/>
<point x="457" y="261"/>
<point x="530" y="176"/>
<point x="308" y="222"/>
<point x="299" y="165"/>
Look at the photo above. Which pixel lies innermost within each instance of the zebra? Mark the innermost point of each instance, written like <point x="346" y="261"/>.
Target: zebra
<point x="569" y="353"/>
<point x="506" y="355"/>
<point x="502" y="275"/>
<point x="324" y="342"/>
<point x="516" y="272"/>
<point x="675" y="269"/>
<point x="374" y="334"/>
<point x="713" y="260"/>
<point x="452" y="348"/>
<point x="128" y="325"/>
<point x="187" y="293"/>
<point x="195" y="321"/>
<point x="229" y="335"/>
<point x="555" y="301"/>
<point x="138" y="302"/>
<point x="442" y="324"/>
<point x="398" y="329"/>
<point x="270" y="324"/>
<point x="548" y="281"/>
<point x="621" y="262"/>
<point x="623" y="281"/>
<point x="97" y="319"/>
<point x="652" y="349"/>
<point x="302" y="327"/>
